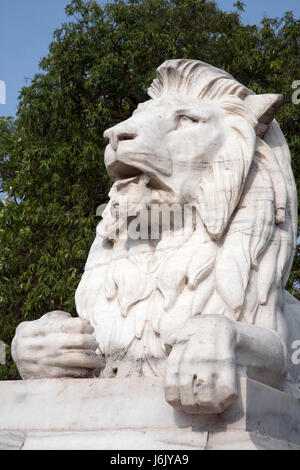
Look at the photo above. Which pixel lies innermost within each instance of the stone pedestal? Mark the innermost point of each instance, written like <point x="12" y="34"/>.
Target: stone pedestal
<point x="119" y="414"/>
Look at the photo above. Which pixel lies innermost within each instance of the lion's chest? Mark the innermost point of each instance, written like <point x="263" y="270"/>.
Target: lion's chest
<point x="129" y="316"/>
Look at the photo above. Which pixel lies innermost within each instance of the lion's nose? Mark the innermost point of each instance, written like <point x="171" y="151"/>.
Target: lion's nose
<point x="117" y="134"/>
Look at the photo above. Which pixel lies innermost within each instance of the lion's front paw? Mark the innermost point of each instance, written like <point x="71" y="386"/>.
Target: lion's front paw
<point x="201" y="374"/>
<point x="56" y="346"/>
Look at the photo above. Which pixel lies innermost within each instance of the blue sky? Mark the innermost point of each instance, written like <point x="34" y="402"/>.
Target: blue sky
<point x="26" y="28"/>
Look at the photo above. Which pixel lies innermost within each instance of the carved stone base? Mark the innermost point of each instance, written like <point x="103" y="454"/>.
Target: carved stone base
<point x="119" y="414"/>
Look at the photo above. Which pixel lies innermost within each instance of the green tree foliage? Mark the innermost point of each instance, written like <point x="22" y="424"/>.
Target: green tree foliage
<point x="97" y="70"/>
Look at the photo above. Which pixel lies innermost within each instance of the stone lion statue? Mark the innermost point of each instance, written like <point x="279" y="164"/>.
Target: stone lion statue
<point x="203" y="304"/>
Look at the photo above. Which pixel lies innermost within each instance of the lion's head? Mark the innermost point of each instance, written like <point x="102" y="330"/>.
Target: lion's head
<point x="206" y="141"/>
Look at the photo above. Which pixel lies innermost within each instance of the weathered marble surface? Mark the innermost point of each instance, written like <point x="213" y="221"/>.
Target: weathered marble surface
<point x="131" y="414"/>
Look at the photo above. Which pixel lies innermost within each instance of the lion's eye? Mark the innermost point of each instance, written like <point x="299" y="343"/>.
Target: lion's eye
<point x="186" y="121"/>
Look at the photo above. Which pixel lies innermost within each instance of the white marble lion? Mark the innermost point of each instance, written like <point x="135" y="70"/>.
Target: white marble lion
<point x="202" y="305"/>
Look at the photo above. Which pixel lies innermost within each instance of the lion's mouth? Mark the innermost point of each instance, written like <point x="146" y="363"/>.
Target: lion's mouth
<point x="118" y="170"/>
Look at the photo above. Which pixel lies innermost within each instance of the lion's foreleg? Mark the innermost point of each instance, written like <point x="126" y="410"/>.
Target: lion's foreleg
<point x="209" y="354"/>
<point x="260" y="354"/>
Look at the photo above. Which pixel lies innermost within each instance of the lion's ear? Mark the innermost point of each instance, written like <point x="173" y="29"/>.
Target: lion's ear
<point x="264" y="108"/>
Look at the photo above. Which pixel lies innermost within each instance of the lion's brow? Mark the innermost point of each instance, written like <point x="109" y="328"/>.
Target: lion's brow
<point x="192" y="112"/>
